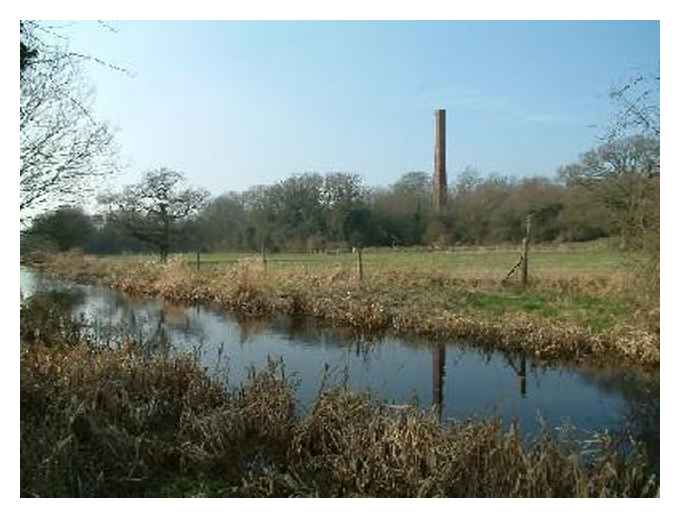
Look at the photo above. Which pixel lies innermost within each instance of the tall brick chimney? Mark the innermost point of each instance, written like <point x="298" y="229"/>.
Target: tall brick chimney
<point x="439" y="178"/>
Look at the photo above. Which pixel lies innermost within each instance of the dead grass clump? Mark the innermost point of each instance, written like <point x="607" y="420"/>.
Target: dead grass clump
<point x="257" y="421"/>
<point x="79" y="265"/>
<point x="246" y="294"/>
<point x="179" y="282"/>
<point x="352" y="446"/>
<point x="569" y="317"/>
<point x="115" y="422"/>
<point x="95" y="423"/>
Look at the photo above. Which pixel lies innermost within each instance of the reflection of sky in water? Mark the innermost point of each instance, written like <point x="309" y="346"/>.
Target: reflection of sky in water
<point x="473" y="383"/>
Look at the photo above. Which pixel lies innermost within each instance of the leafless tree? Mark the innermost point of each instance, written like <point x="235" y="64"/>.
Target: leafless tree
<point x="639" y="112"/>
<point x="63" y="148"/>
<point x="153" y="209"/>
<point x="638" y="109"/>
<point x="622" y="174"/>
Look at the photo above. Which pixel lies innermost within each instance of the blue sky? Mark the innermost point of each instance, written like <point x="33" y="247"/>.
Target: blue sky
<point x="234" y="104"/>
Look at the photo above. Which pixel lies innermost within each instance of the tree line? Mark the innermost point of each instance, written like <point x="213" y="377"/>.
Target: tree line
<point x="613" y="190"/>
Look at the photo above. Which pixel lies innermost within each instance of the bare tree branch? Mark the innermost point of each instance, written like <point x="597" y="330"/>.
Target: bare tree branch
<point x="63" y="148"/>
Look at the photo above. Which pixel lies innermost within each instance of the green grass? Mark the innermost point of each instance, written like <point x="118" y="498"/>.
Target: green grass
<point x="595" y="312"/>
<point x="594" y="258"/>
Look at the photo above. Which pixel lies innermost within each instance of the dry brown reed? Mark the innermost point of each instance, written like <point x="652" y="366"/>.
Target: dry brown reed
<point x="578" y="317"/>
<point x="115" y="422"/>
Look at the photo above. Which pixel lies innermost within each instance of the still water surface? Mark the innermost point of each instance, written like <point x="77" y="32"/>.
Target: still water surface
<point x="462" y="380"/>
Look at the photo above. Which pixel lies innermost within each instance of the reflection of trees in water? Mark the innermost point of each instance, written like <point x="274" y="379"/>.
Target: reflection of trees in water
<point x="152" y="326"/>
<point x="34" y="283"/>
<point x="249" y="327"/>
<point x="49" y="317"/>
<point x="158" y="341"/>
<point x="63" y="300"/>
<point x="640" y="391"/>
<point x="310" y="331"/>
<point x="174" y="327"/>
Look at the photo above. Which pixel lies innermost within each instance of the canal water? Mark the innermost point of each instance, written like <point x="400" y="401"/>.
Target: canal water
<point x="461" y="380"/>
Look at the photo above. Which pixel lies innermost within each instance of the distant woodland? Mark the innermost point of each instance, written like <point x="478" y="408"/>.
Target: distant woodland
<point x="612" y="191"/>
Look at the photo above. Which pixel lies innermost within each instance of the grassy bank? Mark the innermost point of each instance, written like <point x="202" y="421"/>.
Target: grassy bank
<point x="581" y="304"/>
<point x="596" y="257"/>
<point x="118" y="422"/>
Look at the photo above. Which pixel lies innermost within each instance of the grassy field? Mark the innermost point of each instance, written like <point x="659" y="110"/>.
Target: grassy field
<point x="582" y="301"/>
<point x="481" y="266"/>
<point x="598" y="257"/>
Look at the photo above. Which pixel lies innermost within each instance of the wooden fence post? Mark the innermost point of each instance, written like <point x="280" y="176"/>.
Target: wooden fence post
<point x="360" y="264"/>
<point x="525" y="253"/>
<point x="198" y="260"/>
<point x="264" y="258"/>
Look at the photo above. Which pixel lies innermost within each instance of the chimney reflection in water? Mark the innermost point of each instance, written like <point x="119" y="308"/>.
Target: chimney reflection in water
<point x="438" y="361"/>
